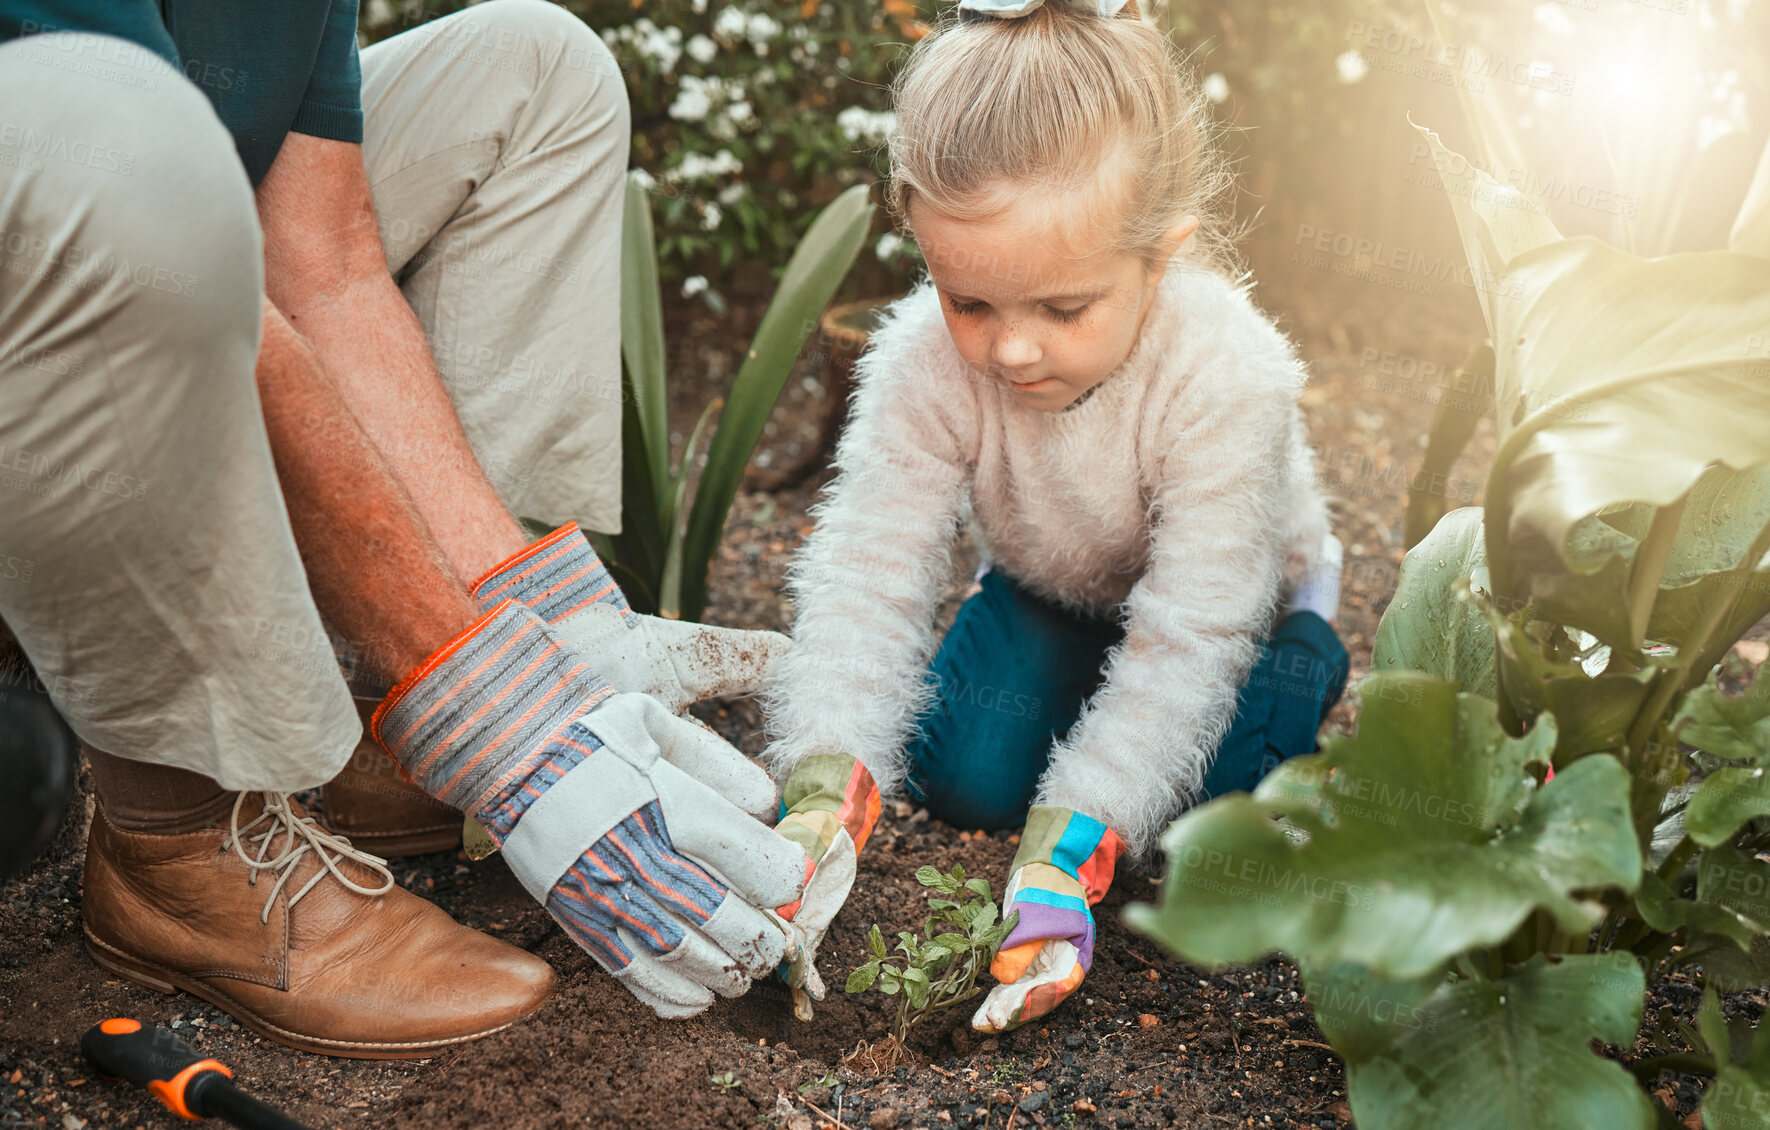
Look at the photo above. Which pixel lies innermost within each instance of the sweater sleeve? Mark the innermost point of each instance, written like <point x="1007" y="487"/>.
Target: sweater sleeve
<point x="866" y="580"/>
<point x="1222" y="488"/>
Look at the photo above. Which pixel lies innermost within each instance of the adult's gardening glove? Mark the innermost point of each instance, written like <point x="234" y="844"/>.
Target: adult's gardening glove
<point x="829" y="806"/>
<point x="674" y="661"/>
<point x="635" y="828"/>
<point x="1064" y="866"/>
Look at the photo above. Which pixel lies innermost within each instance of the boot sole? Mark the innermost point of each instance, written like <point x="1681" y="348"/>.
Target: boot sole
<point x="151" y="976"/>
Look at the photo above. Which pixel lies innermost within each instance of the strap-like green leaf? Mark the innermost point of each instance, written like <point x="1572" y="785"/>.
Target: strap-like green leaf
<point x="816" y="269"/>
<point x="1452" y="427"/>
<point x="642" y="340"/>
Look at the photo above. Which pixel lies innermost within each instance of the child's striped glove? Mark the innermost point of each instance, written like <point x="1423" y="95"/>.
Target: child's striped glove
<point x="603" y="805"/>
<point x="677" y="662"/>
<point x="1063" y="867"/>
<point x="829" y="806"/>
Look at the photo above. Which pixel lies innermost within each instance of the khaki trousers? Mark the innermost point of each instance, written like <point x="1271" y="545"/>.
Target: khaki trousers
<point x="146" y="561"/>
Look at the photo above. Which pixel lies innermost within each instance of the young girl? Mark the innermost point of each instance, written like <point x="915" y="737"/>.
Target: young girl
<point x="1081" y="377"/>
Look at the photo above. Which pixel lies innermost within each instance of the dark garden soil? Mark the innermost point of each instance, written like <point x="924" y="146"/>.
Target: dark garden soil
<point x="1147" y="1042"/>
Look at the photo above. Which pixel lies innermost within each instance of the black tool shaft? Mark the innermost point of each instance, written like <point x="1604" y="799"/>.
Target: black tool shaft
<point x="218" y="1098"/>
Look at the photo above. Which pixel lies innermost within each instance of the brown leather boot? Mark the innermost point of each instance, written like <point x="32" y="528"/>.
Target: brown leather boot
<point x="298" y="936"/>
<point x="380" y="810"/>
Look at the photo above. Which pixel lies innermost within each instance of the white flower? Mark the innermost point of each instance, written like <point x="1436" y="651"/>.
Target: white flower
<point x="730" y="23"/>
<point x="699" y="166"/>
<point x="693" y="285"/>
<point x="661" y="46"/>
<point x="1216" y="87"/>
<point x="1351" y="66"/>
<point x="760" y="30"/>
<point x="642" y="178"/>
<point x="700" y="6"/>
<point x="710" y="219"/>
<point x="740" y="111"/>
<point x="734" y="192"/>
<point x="691" y="102"/>
<point x="701" y="49"/>
<point x="861" y="124"/>
<point x="888" y="246"/>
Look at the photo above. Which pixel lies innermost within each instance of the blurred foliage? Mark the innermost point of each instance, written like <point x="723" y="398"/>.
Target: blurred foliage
<point x="750" y="115"/>
<point x="748" y="118"/>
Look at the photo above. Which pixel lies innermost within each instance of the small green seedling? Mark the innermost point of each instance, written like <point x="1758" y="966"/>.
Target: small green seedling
<point x="1005" y="1073"/>
<point x="932" y="975"/>
<point x="810" y="1085"/>
<point x="725" y="1080"/>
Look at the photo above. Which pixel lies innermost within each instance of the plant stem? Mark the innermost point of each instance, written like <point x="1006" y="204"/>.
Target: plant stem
<point x="1674" y="863"/>
<point x="1496" y="963"/>
<point x="1650" y="564"/>
<point x="1670" y="680"/>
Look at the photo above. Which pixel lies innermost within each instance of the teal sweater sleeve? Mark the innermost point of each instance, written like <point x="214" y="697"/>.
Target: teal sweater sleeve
<point x="271" y="69"/>
<point x="135" y="22"/>
<point x="332" y="104"/>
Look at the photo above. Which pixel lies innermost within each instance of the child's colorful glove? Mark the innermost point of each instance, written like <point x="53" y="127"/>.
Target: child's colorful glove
<point x="830" y="805"/>
<point x="677" y="662"/>
<point x="635" y="828"/>
<point x="1063" y="867"/>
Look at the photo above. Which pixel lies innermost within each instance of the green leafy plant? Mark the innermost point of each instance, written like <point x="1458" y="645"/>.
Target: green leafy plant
<point x="726" y="1081"/>
<point x="1548" y="801"/>
<point x="666" y="545"/>
<point x="931" y="974"/>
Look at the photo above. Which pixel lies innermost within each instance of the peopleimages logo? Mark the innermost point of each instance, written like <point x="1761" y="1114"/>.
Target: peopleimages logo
<point x="41" y="469"/>
<point x="62" y="148"/>
<point x="71" y="265"/>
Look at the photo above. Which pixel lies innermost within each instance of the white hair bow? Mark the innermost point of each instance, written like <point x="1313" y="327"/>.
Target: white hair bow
<point x="1014" y="9"/>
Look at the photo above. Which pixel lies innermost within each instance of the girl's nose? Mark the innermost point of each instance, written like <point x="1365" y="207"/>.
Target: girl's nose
<point x="1015" y="349"/>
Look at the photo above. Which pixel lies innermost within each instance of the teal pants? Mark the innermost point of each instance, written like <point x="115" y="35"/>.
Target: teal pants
<point x="1013" y="672"/>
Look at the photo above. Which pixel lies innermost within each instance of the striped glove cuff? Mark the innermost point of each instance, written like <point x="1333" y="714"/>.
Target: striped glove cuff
<point x="556" y="576"/>
<point x="483" y="723"/>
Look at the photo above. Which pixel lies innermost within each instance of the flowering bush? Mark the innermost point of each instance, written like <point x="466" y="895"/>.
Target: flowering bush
<point x="748" y="116"/>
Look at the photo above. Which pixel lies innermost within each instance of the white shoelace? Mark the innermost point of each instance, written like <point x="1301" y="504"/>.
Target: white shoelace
<point x="302" y="834"/>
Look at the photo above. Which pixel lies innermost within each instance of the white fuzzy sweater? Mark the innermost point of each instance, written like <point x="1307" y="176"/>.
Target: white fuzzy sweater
<point x="1181" y="489"/>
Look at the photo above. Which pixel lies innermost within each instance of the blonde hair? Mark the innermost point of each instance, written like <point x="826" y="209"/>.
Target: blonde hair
<point x="1046" y="103"/>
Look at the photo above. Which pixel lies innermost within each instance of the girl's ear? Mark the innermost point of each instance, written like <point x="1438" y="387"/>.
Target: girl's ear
<point x="1169" y="247"/>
